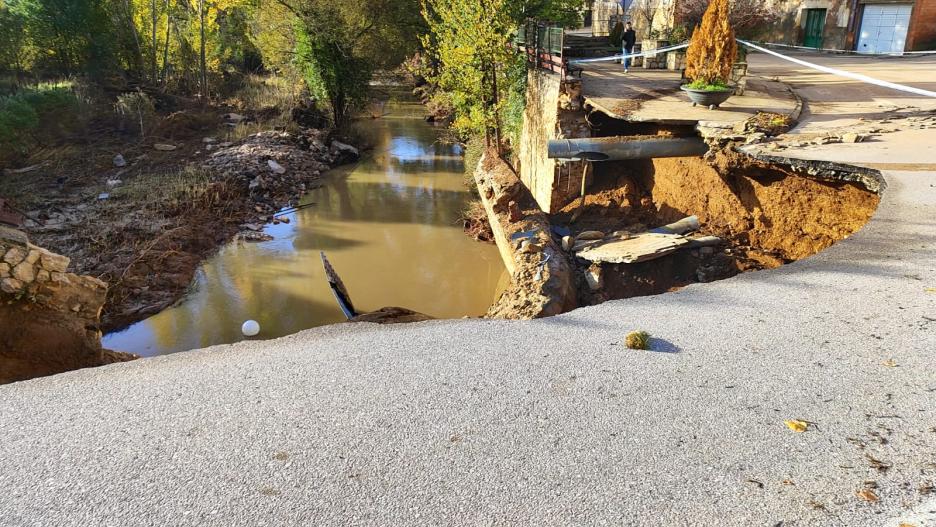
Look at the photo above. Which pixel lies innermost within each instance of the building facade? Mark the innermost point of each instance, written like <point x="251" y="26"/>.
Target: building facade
<point x="865" y="26"/>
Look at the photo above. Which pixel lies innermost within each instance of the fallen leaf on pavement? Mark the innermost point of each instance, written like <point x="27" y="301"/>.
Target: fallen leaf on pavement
<point x="890" y="363"/>
<point x="796" y="425"/>
<point x="930" y="289"/>
<point x="867" y="495"/>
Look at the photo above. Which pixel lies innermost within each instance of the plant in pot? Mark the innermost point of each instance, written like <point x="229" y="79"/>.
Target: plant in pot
<point x="710" y="56"/>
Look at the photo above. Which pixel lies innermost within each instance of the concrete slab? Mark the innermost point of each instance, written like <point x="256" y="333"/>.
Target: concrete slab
<point x="654" y="96"/>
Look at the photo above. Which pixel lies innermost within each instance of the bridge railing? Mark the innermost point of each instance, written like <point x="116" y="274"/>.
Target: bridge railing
<point x="542" y="43"/>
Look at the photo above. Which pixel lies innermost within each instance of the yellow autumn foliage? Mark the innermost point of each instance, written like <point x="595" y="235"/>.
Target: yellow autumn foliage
<point x="713" y="48"/>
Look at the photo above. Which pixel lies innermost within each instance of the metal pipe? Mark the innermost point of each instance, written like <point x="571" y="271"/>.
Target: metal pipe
<point x="621" y="148"/>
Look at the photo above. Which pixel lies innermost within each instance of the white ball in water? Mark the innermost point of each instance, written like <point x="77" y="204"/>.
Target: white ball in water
<point x="250" y="328"/>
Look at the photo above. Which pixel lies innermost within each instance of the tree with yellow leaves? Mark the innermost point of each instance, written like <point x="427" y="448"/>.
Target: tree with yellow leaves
<point x="713" y="48"/>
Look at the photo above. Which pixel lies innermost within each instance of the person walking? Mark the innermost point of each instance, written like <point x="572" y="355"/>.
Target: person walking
<point x="628" y="39"/>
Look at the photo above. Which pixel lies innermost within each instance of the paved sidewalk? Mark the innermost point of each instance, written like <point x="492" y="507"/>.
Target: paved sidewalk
<point x="654" y="96"/>
<point x="547" y="422"/>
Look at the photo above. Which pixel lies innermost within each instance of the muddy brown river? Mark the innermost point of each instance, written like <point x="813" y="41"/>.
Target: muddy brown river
<point x="390" y="227"/>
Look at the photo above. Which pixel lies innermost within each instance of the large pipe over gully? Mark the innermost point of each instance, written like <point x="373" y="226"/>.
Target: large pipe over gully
<point x="621" y="148"/>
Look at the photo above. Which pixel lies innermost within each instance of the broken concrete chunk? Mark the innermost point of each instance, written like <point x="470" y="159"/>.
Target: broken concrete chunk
<point x="852" y="137"/>
<point x="634" y="249"/>
<point x="111" y="183"/>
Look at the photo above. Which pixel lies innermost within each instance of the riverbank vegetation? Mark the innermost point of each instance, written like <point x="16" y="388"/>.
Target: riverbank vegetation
<point x="470" y="61"/>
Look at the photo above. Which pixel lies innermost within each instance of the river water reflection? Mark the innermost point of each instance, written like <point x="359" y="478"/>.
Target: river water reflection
<point x="390" y="226"/>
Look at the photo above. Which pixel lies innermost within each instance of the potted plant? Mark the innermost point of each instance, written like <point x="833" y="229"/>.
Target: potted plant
<point x="710" y="57"/>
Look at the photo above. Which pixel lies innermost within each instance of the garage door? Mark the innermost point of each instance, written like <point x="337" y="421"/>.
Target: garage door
<point x="884" y="28"/>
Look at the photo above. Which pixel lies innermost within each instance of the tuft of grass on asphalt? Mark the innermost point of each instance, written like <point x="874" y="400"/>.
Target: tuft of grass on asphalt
<point x="638" y="340"/>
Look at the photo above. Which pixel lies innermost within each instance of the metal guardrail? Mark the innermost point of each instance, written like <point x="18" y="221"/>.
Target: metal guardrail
<point x="542" y="44"/>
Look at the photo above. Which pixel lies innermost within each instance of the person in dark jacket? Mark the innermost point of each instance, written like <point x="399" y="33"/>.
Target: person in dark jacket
<point x="628" y="39"/>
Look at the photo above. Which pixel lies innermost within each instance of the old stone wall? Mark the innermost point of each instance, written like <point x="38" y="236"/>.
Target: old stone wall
<point x="49" y="318"/>
<point x="540" y="120"/>
<point x="791" y="27"/>
<point x="553" y="110"/>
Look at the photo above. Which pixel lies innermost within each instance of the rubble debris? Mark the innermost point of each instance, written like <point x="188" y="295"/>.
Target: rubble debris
<point x="119" y="161"/>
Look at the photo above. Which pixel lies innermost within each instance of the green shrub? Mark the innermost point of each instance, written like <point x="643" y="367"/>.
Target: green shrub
<point x="34" y="114"/>
<point x="700" y="84"/>
<point x="135" y="109"/>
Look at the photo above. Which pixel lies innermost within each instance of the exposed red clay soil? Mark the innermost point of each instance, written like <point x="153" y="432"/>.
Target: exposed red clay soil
<point x="767" y="214"/>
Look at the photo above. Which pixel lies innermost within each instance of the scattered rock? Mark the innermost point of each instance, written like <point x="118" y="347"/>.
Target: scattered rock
<point x="252" y="227"/>
<point x="594" y="278"/>
<point x="209" y="140"/>
<point x="852" y="137"/>
<point x="513" y="211"/>
<point x="590" y="235"/>
<point x="11" y="286"/>
<point x="119" y="161"/>
<point x="163" y="147"/>
<point x="282" y="219"/>
<point x="253" y="236"/>
<point x="111" y="183"/>
<point x="344" y="153"/>
<point x="233" y="118"/>
<point x="528" y="247"/>
<point x="103" y="195"/>
<point x="276" y="167"/>
<point x="567" y="243"/>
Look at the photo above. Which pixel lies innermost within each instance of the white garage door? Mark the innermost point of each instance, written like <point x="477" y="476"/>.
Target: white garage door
<point x="884" y="28"/>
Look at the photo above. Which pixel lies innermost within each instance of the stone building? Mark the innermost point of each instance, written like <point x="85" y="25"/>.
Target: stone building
<point x="866" y="26"/>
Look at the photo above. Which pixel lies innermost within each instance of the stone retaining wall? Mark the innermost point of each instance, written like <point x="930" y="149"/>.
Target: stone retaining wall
<point x="49" y="318"/>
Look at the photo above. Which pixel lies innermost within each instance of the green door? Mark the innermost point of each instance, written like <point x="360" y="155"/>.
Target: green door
<point x="815" y="23"/>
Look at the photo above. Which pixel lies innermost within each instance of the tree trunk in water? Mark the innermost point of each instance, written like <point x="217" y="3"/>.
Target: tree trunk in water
<point x="204" y="73"/>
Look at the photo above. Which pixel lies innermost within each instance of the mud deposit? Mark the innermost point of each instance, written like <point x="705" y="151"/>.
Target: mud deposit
<point x="766" y="214"/>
